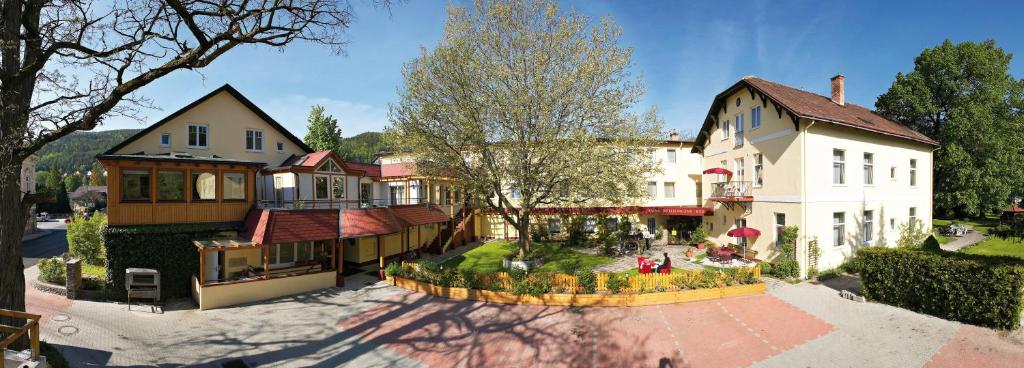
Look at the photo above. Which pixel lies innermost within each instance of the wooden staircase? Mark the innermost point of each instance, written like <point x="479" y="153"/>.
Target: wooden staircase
<point x="455" y="236"/>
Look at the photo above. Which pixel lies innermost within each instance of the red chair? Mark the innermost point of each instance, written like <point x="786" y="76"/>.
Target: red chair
<point x="639" y="261"/>
<point x="645" y="268"/>
<point x="666" y="268"/>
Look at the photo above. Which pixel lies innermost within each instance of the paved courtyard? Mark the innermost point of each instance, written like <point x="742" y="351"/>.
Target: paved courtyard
<point x="377" y="325"/>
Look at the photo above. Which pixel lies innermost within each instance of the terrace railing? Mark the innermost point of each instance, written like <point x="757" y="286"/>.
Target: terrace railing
<point x="731" y="189"/>
<point x="350" y="204"/>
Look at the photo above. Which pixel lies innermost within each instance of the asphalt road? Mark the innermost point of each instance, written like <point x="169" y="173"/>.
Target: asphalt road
<point x="52" y="244"/>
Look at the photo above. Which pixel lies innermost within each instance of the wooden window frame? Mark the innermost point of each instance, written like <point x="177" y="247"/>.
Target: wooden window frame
<point x="184" y="185"/>
<point x="120" y="178"/>
<point x="192" y="184"/>
<point x="245" y="185"/>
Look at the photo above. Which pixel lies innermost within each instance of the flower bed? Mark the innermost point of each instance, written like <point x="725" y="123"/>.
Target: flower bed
<point x="585" y="288"/>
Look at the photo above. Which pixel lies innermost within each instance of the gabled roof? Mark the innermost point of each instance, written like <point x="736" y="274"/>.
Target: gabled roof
<point x="312" y="160"/>
<point x="178" y="157"/>
<point x="798" y="104"/>
<point x="234" y="93"/>
<point x="403" y="169"/>
<point x="86" y="189"/>
<point x="418" y="214"/>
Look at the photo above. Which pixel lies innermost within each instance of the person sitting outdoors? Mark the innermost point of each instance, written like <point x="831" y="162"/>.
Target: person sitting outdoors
<point x="665" y="266"/>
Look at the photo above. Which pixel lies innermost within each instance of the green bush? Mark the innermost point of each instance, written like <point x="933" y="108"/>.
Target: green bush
<point x="710" y="279"/>
<point x="586" y="279"/>
<point x="392" y="269"/>
<point x="615" y="282"/>
<point x="85" y="238"/>
<point x="53" y="270"/>
<point x="784" y="265"/>
<point x="166" y="248"/>
<point x="981" y="290"/>
<point x="932" y="244"/>
<point x="699" y="235"/>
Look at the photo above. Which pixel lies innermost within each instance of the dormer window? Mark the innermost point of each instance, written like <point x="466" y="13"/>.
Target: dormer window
<point x="197" y="136"/>
<point x="254" y="140"/>
<point x="165" y="140"/>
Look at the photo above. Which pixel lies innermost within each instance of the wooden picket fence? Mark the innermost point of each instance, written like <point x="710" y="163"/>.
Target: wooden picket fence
<point x="634" y="284"/>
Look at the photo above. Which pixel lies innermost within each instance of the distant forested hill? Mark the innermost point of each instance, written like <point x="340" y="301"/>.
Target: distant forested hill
<point x="362" y="147"/>
<point x="77" y="151"/>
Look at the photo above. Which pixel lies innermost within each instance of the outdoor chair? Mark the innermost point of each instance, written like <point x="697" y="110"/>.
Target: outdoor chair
<point x="725" y="259"/>
<point x="713" y="254"/>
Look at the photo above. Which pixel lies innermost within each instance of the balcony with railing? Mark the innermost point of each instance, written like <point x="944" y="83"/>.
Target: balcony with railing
<point x="350" y="204"/>
<point x="732" y="191"/>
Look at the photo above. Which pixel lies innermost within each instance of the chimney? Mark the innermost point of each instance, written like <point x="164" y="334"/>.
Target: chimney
<point x="673" y="136"/>
<point x="839" y="90"/>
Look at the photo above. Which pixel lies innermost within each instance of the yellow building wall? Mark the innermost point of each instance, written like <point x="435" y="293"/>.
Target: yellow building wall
<point x="217" y="296"/>
<point x="427" y="233"/>
<point x="392" y="245"/>
<point x="242" y="259"/>
<point x="227" y="119"/>
<point x="364" y="250"/>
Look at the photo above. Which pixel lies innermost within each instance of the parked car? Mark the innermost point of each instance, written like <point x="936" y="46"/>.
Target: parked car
<point x="43" y="217"/>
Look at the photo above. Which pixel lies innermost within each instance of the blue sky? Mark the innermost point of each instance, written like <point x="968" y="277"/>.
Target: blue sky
<point x="686" y="52"/>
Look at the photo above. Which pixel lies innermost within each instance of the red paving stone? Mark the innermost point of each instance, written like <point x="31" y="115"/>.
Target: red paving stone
<point x="978" y="347"/>
<point x="45" y="304"/>
<point x="724" y="333"/>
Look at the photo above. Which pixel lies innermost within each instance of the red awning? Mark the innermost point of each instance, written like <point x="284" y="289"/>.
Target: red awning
<point x="695" y="211"/>
<point x="744" y="232"/>
<point x="718" y="170"/>
<point x="677" y="211"/>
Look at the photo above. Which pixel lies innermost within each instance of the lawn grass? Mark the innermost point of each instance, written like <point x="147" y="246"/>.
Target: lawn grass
<point x="997" y="246"/>
<point x="557" y="258"/>
<point x="94" y="271"/>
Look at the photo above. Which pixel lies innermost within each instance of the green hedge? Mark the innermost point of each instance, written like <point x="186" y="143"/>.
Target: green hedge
<point x="981" y="290"/>
<point x="166" y="248"/>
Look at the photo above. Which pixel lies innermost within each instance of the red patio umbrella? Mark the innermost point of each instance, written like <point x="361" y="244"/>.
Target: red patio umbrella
<point x="718" y="170"/>
<point x="744" y="232"/>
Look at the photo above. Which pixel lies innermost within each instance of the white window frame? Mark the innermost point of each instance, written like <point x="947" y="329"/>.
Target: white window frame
<point x="670" y="156"/>
<point x="738" y="223"/>
<point x="667" y="185"/>
<point x="779" y="228"/>
<point x="725" y="130"/>
<point x="257" y="137"/>
<point x="868" y="226"/>
<point x="740" y="171"/>
<point x="334" y="182"/>
<point x="280" y="147"/>
<point x="654" y="155"/>
<point x="652" y="189"/>
<point x="755" y="117"/>
<point x="758" y="170"/>
<point x="869" y="168"/>
<point x="913" y="173"/>
<point x="838" y="229"/>
<point x="912" y="217"/>
<point x="892" y="173"/>
<point x="738" y="132"/>
<point x="590" y="225"/>
<point x="316" y="194"/>
<point x="188" y="136"/>
<point x="841" y="164"/>
<point x="554" y="225"/>
<point x="165" y="135"/>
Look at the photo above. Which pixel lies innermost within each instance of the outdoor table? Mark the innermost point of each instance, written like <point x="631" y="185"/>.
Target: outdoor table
<point x="726" y="252"/>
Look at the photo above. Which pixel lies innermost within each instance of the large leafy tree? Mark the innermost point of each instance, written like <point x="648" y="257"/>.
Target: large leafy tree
<point x="520" y="96"/>
<point x="323" y="133"/>
<point x="963" y="95"/>
<point x="67" y="65"/>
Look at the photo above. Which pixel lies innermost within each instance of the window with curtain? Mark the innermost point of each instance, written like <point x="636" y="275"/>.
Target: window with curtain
<point x="758" y="169"/>
<point x="170" y="185"/>
<point x="670" y="190"/>
<point x="838" y="166"/>
<point x="755" y="117"/>
<point x="652" y="189"/>
<point x="204" y="186"/>
<point x="740" y="223"/>
<point x="869" y="168"/>
<point x="321" y="187"/>
<point x="671" y="156"/>
<point x="337" y="187"/>
<point x="838" y="228"/>
<point x="869" y="226"/>
<point x="135" y="185"/>
<point x="913" y="173"/>
<point x="780" y="227"/>
<point x="234" y="186"/>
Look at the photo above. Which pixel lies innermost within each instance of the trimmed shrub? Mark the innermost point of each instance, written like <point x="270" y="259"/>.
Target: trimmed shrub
<point x="981" y="290"/>
<point x="53" y="270"/>
<point x="392" y="269"/>
<point x="166" y="248"/>
<point x="587" y="280"/>
<point x="615" y="282"/>
<point x="85" y="238"/>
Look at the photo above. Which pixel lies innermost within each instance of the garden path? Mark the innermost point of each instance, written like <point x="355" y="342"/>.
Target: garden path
<point x="628" y="262"/>
<point x="965" y="241"/>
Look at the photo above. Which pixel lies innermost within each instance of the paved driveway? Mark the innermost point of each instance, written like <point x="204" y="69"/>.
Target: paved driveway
<point x="52" y="242"/>
<point x="801" y="325"/>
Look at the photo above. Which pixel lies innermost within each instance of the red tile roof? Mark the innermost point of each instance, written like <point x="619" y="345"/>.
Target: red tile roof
<point x="808" y="105"/>
<point x="369" y="222"/>
<point x="276" y="226"/>
<point x="372" y="170"/>
<point x="396" y="170"/>
<point x="818" y="107"/>
<point x="1014" y="209"/>
<point x="418" y="214"/>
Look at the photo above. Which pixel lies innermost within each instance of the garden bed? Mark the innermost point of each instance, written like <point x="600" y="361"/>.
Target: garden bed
<point x="579" y="300"/>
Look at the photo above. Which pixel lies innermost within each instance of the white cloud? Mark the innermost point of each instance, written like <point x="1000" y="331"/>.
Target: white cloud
<point x="353" y="117"/>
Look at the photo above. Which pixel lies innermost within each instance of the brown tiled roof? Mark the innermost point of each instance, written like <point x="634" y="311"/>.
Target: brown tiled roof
<point x="369" y="222"/>
<point x="372" y="170"/>
<point x="418" y="214"/>
<point x="312" y="160"/>
<point x="276" y="226"/>
<point x="1014" y="208"/>
<point x="396" y="170"/>
<point x="813" y="106"/>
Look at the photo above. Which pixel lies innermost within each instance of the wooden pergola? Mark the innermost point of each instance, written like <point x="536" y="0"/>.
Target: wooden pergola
<point x="230" y="244"/>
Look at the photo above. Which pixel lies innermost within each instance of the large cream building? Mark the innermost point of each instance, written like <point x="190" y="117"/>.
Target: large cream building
<point x="848" y="178"/>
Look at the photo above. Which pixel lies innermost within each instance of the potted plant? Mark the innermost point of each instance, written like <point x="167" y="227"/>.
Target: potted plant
<point x="699" y="236"/>
<point x="689" y="253"/>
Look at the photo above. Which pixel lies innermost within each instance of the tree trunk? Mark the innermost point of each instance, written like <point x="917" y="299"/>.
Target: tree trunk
<point x="12" y="227"/>
<point x="524" y="235"/>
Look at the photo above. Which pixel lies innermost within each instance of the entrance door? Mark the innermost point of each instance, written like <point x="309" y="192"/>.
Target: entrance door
<point x="366" y="194"/>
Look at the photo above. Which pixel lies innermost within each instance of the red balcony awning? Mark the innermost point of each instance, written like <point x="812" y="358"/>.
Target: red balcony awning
<point x="695" y="211"/>
<point x="744" y="232"/>
<point x="677" y="211"/>
<point x="718" y="170"/>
